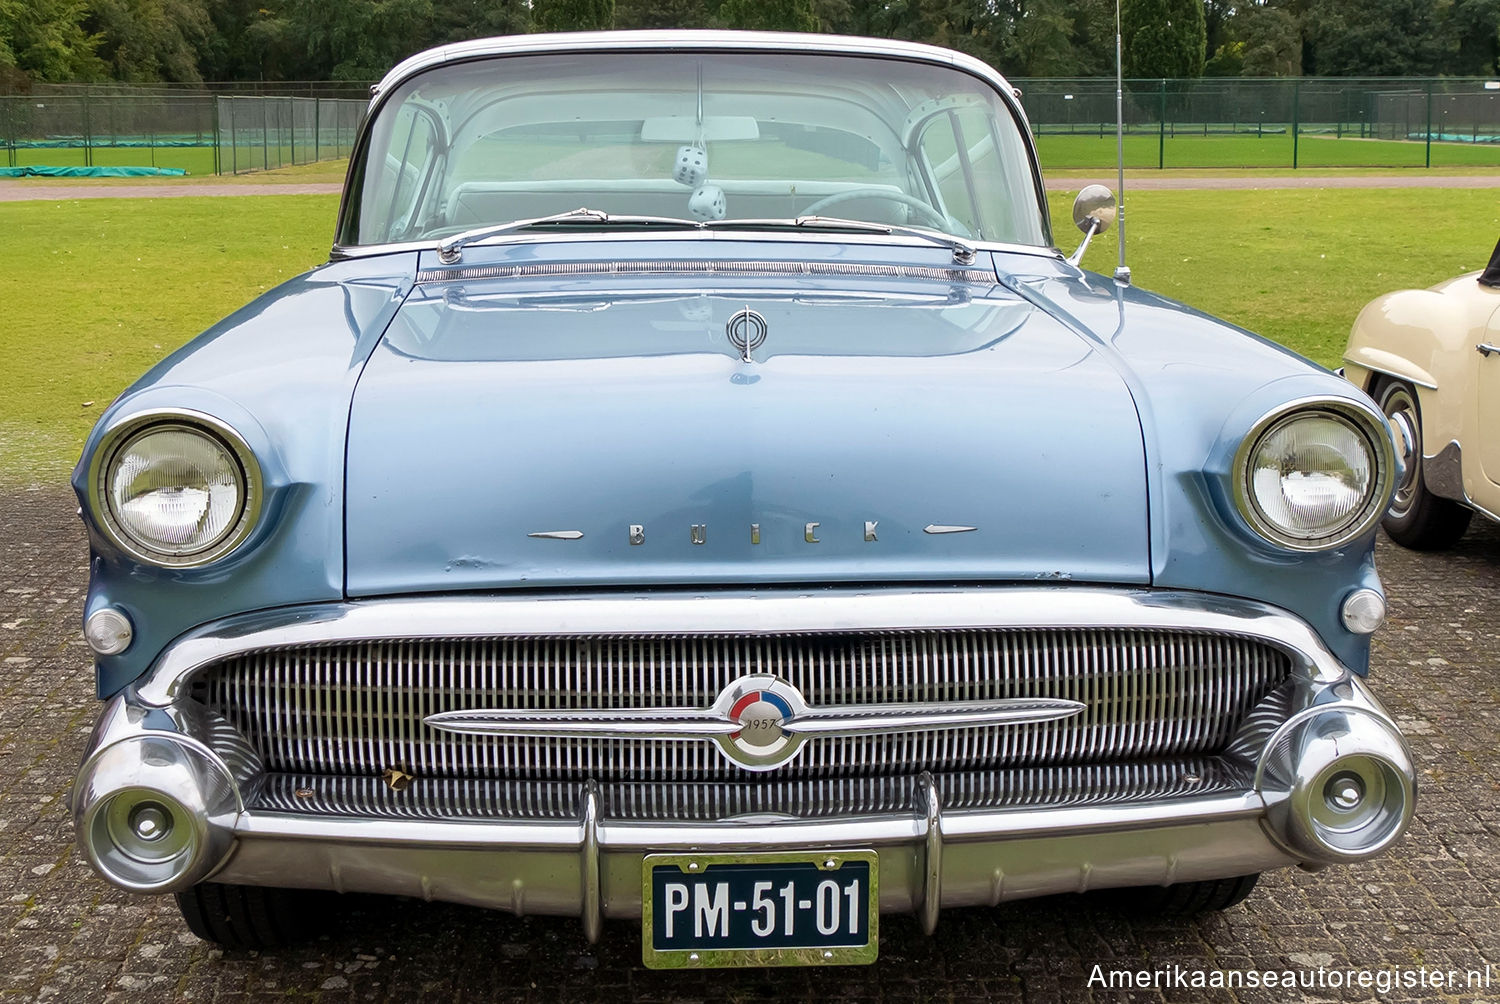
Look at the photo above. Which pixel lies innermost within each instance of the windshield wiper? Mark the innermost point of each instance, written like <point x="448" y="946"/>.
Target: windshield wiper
<point x="451" y="249"/>
<point x="963" y="252"/>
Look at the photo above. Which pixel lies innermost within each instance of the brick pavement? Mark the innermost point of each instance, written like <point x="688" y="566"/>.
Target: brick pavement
<point x="1434" y="901"/>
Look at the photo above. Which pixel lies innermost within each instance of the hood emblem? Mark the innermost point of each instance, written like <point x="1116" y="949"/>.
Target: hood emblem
<point x="758" y="722"/>
<point x="747" y="332"/>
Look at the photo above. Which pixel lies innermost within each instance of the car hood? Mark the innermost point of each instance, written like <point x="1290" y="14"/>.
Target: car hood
<point x="508" y="432"/>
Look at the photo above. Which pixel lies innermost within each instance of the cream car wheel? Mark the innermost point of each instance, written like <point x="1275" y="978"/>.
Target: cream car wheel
<point x="1417" y="518"/>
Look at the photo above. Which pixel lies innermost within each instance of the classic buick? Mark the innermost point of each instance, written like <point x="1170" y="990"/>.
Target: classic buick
<point x="1425" y="356"/>
<point x="697" y="490"/>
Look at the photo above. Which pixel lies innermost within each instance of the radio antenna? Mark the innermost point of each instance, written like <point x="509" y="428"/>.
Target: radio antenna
<point x="1122" y="271"/>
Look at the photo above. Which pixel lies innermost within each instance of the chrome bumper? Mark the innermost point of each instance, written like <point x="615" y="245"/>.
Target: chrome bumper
<point x="1328" y="781"/>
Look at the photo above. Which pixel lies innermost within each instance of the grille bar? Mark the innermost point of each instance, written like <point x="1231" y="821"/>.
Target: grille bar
<point x="1023" y="788"/>
<point x="358" y="708"/>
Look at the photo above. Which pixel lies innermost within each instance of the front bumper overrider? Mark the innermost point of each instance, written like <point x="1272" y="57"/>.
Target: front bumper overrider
<point x="168" y="795"/>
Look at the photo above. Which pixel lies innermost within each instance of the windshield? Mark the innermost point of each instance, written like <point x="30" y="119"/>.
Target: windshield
<point x="705" y="137"/>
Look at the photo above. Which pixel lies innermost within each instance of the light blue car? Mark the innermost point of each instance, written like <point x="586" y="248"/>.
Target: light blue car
<point x="698" y="492"/>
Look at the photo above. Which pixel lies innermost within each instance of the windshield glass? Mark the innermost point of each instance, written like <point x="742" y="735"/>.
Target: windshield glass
<point x="694" y="136"/>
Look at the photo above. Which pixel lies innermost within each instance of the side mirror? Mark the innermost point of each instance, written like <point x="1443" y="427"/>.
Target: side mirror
<point x="1093" y="213"/>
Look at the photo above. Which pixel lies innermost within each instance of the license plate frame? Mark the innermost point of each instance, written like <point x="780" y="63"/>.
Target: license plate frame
<point x="741" y="870"/>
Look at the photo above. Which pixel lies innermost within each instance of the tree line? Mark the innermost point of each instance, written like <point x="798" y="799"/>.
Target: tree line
<point x="146" y="41"/>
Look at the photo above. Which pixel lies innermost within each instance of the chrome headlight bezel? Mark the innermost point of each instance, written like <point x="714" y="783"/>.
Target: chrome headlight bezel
<point x="1375" y="433"/>
<point x="222" y="435"/>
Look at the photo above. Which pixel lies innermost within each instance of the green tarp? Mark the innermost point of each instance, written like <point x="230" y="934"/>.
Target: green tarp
<point x="89" y="172"/>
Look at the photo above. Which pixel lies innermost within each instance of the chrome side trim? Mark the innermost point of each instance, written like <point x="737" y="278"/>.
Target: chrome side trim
<point x="740" y="613"/>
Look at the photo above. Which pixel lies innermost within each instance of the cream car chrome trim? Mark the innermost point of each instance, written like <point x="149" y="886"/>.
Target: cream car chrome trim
<point x="1363" y="363"/>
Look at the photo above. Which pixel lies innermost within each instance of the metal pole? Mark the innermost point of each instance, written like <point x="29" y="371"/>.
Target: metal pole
<point x="218" y="156"/>
<point x="1296" y="113"/>
<point x="1161" y="129"/>
<point x="317" y="129"/>
<point x="88" y="150"/>
<point x="1429" y="124"/>
<point x="1122" y="272"/>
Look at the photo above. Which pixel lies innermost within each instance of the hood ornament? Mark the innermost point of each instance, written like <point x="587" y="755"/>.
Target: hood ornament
<point x="758" y="722"/>
<point x="747" y="332"/>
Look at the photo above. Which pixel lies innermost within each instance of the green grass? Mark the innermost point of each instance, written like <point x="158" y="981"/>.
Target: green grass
<point x="98" y="290"/>
<point x="1185" y="150"/>
<point x="101" y="289"/>
<point x="1295" y="266"/>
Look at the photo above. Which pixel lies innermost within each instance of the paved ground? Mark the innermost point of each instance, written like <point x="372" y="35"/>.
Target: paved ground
<point x="25" y="191"/>
<point x="1434" y="902"/>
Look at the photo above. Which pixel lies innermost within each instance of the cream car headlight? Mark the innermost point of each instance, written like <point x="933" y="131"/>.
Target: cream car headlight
<point x="176" y="491"/>
<point x="1314" y="475"/>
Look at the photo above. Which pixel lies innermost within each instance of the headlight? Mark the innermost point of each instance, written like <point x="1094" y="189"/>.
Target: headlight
<point x="1314" y="476"/>
<point x="176" y="491"/>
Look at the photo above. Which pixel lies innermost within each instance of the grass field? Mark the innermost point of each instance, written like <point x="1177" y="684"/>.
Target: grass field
<point x="100" y="289"/>
<point x="1083" y="150"/>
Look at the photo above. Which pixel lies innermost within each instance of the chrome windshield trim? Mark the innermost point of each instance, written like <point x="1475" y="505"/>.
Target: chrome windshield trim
<point x="739" y="612"/>
<point x="341" y="252"/>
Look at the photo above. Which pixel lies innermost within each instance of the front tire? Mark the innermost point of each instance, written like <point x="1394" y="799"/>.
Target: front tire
<point x="1417" y="518"/>
<point x="250" y="918"/>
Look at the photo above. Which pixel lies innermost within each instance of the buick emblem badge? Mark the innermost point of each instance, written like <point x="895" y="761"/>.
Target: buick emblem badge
<point x="746" y="331"/>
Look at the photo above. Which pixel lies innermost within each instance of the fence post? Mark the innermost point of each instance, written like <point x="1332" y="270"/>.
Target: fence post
<point x="234" y="138"/>
<point x="10" y="132"/>
<point x="218" y="156"/>
<point x="265" y="135"/>
<point x="1296" y="115"/>
<point x="317" y="129"/>
<point x="1429" y="125"/>
<point x="1161" y="129"/>
<point x="88" y="150"/>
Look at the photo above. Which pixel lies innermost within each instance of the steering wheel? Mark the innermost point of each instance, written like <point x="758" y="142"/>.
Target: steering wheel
<point x="930" y="216"/>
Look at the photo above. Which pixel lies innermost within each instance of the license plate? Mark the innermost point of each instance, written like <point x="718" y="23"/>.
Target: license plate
<point x="702" y="911"/>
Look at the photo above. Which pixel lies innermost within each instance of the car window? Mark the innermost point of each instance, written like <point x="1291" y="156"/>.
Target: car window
<point x="730" y="135"/>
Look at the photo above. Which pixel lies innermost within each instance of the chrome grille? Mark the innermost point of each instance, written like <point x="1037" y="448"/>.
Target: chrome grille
<point x="443" y="798"/>
<point x="358" y="708"/>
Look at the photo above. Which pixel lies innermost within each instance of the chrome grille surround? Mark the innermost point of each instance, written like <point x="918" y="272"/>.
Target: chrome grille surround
<point x="356" y="708"/>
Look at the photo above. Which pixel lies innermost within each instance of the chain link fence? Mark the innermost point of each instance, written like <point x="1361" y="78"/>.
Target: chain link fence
<point x="176" y="130"/>
<point x="1259" y="122"/>
<point x="1202" y="123"/>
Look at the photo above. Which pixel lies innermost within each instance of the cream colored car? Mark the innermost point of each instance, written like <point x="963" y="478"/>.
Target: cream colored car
<point x="1431" y="359"/>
